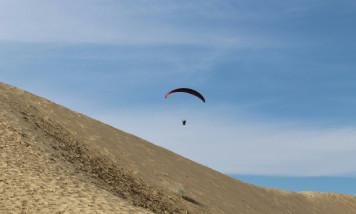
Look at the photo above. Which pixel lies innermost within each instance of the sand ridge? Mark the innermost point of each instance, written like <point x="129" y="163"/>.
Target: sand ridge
<point x="83" y="164"/>
<point x="54" y="160"/>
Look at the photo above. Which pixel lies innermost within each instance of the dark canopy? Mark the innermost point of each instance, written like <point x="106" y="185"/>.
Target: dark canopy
<point x="186" y="90"/>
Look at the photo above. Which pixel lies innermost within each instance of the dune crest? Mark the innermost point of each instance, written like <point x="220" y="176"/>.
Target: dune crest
<point x="54" y="160"/>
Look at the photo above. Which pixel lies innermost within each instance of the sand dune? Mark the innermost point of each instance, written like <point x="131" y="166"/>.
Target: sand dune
<point x="54" y="160"/>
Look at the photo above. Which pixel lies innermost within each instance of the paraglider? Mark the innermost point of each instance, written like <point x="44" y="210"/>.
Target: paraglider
<point x="188" y="91"/>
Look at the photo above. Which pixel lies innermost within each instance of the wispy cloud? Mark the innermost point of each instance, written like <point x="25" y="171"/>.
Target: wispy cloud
<point x="208" y="23"/>
<point x="235" y="145"/>
<point x="96" y="22"/>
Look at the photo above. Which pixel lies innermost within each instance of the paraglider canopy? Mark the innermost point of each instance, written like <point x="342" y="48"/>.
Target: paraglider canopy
<point x="186" y="90"/>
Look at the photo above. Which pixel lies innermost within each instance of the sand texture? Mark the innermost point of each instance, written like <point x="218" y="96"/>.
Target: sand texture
<point x="54" y="160"/>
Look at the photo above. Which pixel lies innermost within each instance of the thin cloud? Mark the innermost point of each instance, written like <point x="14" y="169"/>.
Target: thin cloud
<point x="246" y="146"/>
<point x="207" y="23"/>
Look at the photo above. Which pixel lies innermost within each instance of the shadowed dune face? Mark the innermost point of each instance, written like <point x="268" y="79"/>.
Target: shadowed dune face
<point x="57" y="160"/>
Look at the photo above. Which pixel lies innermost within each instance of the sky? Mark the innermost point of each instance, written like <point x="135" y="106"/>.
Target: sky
<point x="279" y="77"/>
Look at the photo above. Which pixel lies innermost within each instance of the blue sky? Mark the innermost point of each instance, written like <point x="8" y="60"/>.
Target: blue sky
<point x="278" y="76"/>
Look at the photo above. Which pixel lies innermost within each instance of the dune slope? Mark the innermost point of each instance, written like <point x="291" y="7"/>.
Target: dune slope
<point x="54" y="160"/>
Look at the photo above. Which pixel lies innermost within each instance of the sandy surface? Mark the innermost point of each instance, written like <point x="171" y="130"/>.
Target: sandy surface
<point x="53" y="160"/>
<point x="31" y="181"/>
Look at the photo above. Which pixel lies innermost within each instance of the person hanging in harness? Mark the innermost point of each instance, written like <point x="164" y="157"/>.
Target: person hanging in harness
<point x="184" y="122"/>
